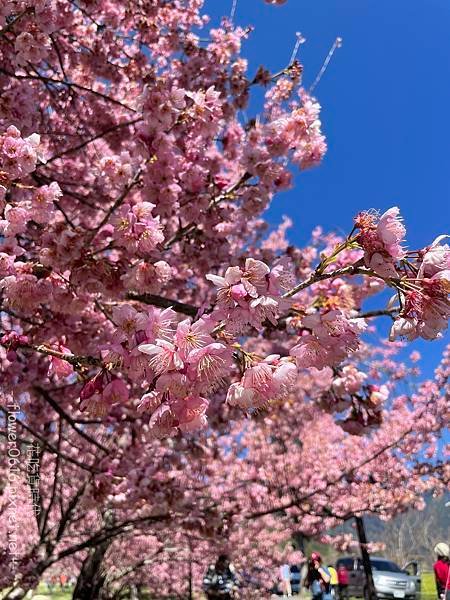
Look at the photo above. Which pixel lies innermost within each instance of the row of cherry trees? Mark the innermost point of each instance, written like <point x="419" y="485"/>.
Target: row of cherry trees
<point x="191" y="380"/>
<point x="246" y="488"/>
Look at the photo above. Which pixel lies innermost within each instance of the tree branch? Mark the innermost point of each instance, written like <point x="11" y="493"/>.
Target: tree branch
<point x="317" y="276"/>
<point x="76" y="361"/>
<point x="69" y="84"/>
<point x="69" y="419"/>
<point x="117" y="203"/>
<point x="179" y="307"/>
<point x="52" y="449"/>
<point x="106" y="533"/>
<point x="90" y="140"/>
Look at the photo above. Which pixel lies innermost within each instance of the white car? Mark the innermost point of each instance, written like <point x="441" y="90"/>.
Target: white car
<point x="390" y="581"/>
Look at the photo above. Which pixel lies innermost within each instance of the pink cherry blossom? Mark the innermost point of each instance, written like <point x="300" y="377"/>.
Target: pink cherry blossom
<point x="381" y="239"/>
<point x="191" y="336"/>
<point x="130" y="321"/>
<point x="190" y="413"/>
<point x="58" y="366"/>
<point x="164" y="356"/>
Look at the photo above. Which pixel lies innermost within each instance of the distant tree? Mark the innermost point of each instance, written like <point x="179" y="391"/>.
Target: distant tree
<point x="412" y="535"/>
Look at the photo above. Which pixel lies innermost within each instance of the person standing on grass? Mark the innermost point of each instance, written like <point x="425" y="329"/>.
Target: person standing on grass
<point x="342" y="574"/>
<point x="334" y="581"/>
<point x="442" y="570"/>
<point x="291" y="576"/>
<point x="318" y="578"/>
<point x="220" y="581"/>
<point x="285" y="573"/>
<point x="343" y="582"/>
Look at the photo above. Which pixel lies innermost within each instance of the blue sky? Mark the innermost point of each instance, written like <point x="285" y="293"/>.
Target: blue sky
<point x="386" y="110"/>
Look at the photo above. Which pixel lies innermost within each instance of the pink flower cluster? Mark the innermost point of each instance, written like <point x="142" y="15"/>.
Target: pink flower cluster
<point x="253" y="294"/>
<point x="267" y="382"/>
<point x="436" y="261"/>
<point x="425" y="306"/>
<point x="59" y="367"/>
<point x="147" y="277"/>
<point x="102" y="392"/>
<point x="299" y="132"/>
<point x="349" y="382"/>
<point x="11" y="341"/>
<point x="331" y="338"/>
<point x="18" y="156"/>
<point x="42" y="205"/>
<point x="178" y="361"/>
<point x="425" y="312"/>
<point x="24" y="292"/>
<point x="184" y="364"/>
<point x="136" y="229"/>
<point x="31" y="47"/>
<point x="15" y="221"/>
<point x="116" y="171"/>
<point x="381" y="239"/>
<point x="161" y="106"/>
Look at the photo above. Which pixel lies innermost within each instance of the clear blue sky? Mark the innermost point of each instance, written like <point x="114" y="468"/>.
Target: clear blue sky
<point x="386" y="110"/>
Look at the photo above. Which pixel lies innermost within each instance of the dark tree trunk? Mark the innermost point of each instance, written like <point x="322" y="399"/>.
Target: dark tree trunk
<point x="91" y="579"/>
<point x="190" y="590"/>
<point x="370" y="586"/>
<point x="300" y="540"/>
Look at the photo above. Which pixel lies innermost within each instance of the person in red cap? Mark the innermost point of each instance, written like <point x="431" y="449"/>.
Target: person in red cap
<point x="318" y="578"/>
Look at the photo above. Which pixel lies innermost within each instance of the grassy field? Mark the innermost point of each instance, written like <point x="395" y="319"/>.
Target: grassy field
<point x="428" y="586"/>
<point x="428" y="590"/>
<point x="57" y="595"/>
<point x="41" y="592"/>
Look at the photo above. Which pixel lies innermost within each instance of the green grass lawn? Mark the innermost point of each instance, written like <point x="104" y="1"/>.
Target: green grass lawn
<point x="428" y="586"/>
<point x="428" y="590"/>
<point x="58" y="594"/>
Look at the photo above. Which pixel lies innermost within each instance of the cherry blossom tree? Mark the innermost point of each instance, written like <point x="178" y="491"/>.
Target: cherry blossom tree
<point x="147" y="309"/>
<point x="245" y="488"/>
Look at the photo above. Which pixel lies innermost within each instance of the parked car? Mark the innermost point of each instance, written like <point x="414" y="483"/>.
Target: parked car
<point x="390" y="581"/>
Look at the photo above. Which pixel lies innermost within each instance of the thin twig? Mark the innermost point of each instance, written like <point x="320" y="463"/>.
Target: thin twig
<point x="90" y="140"/>
<point x="233" y="10"/>
<point x="68" y="84"/>
<point x="117" y="203"/>
<point x="74" y="360"/>
<point x="62" y="413"/>
<point x="378" y="313"/>
<point x="14" y="21"/>
<point x="337" y="44"/>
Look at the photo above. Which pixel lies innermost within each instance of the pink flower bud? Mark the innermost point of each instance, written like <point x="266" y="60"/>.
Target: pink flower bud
<point x="11" y="355"/>
<point x="238" y="292"/>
